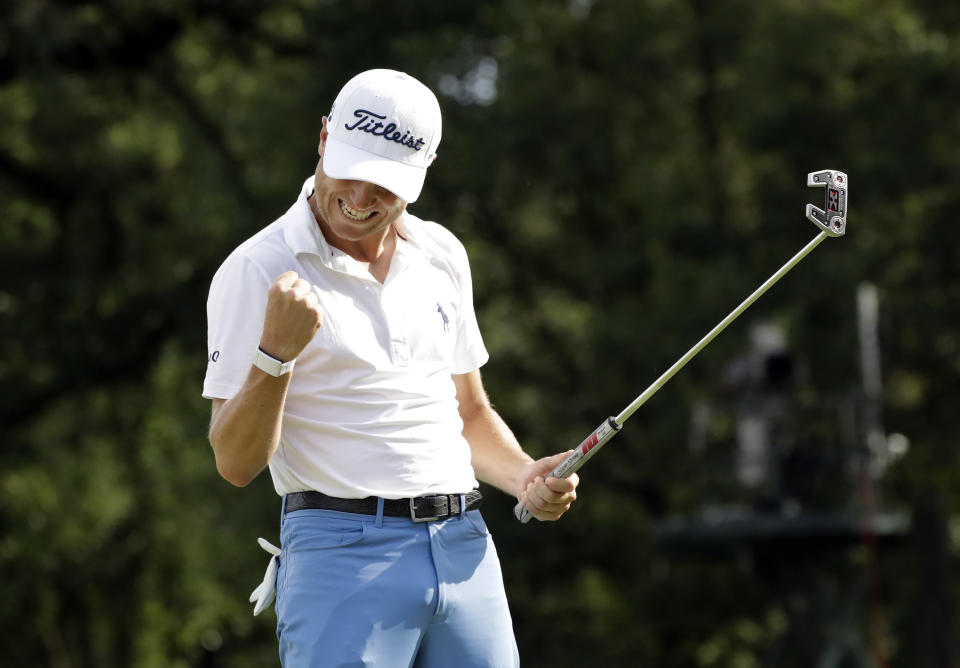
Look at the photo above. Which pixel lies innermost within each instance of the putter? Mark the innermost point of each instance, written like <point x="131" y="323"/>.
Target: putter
<point x="832" y="221"/>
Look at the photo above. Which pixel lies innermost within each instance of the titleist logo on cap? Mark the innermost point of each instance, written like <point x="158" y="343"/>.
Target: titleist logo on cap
<point x="371" y="122"/>
<point x="383" y="128"/>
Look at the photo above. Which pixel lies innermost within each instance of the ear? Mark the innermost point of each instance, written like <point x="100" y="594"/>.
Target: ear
<point x="323" y="135"/>
<point x="433" y="158"/>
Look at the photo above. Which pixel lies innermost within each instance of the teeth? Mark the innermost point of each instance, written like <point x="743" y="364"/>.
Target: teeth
<point x="353" y="213"/>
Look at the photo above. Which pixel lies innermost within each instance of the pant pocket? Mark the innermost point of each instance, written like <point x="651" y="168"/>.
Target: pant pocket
<point x="477" y="523"/>
<point x="306" y="530"/>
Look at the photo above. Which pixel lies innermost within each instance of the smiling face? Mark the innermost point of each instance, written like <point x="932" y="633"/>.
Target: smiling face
<point x="353" y="215"/>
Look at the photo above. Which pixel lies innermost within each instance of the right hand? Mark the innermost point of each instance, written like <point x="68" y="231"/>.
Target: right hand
<point x="293" y="317"/>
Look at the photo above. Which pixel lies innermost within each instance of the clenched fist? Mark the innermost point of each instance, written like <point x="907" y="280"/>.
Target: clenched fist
<point x="293" y="317"/>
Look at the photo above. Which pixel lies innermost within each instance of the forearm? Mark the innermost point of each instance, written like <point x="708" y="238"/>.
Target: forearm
<point x="245" y="429"/>
<point x="498" y="458"/>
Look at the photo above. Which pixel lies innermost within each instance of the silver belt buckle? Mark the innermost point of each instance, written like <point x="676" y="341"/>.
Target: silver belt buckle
<point x="413" y="512"/>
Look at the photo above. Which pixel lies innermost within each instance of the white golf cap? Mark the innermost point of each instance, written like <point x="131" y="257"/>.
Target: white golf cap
<point x="384" y="128"/>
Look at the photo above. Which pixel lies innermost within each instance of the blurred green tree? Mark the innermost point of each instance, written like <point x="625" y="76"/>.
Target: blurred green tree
<point x="622" y="173"/>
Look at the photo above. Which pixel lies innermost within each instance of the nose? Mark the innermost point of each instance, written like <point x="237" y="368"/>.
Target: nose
<point x="363" y="195"/>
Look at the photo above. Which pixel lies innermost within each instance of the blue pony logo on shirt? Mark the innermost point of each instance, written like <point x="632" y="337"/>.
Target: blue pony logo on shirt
<point x="446" y="320"/>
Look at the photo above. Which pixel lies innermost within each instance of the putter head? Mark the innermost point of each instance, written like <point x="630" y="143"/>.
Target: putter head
<point x="832" y="219"/>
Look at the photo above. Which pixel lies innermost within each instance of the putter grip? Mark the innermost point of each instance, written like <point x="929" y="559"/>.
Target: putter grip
<point x="587" y="449"/>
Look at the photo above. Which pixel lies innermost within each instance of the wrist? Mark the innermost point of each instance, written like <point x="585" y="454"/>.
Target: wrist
<point x="523" y="476"/>
<point x="271" y="364"/>
<point x="277" y="348"/>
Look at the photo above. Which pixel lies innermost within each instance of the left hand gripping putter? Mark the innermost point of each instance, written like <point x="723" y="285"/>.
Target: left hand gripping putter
<point x="832" y="219"/>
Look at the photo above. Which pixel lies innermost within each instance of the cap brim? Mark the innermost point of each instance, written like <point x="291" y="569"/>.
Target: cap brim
<point x="342" y="161"/>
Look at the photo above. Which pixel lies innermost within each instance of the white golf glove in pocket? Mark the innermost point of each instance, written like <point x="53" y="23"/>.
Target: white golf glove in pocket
<point x="263" y="595"/>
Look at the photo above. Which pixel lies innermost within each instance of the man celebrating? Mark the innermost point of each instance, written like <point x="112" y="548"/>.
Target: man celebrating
<point x="345" y="354"/>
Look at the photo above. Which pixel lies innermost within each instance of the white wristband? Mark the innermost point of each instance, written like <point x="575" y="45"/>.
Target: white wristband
<point x="269" y="364"/>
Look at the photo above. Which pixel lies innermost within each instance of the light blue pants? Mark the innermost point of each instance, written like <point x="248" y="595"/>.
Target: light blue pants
<point x="364" y="590"/>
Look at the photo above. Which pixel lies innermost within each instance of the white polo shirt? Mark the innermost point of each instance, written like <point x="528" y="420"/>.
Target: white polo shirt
<point x="371" y="408"/>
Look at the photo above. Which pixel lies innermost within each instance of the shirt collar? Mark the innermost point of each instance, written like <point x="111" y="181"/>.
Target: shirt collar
<point x="300" y="229"/>
<point x="406" y="229"/>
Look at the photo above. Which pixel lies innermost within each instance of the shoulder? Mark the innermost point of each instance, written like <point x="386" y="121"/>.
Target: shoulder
<point x="442" y="249"/>
<point x="435" y="238"/>
<point x="265" y="254"/>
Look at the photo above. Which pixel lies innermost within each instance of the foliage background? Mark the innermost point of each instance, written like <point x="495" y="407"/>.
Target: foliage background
<point x="622" y="173"/>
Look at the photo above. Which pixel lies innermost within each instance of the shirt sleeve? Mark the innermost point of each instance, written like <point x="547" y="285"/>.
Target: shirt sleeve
<point x="236" y="306"/>
<point x="469" y="352"/>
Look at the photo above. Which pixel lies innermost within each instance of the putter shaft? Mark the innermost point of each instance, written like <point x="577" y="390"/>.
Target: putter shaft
<point x="612" y="425"/>
<point x="722" y="325"/>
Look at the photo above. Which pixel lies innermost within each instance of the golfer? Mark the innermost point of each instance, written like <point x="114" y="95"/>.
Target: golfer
<point x="344" y="354"/>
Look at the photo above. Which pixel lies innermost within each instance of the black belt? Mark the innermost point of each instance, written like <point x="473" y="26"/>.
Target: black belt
<point x="419" y="509"/>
